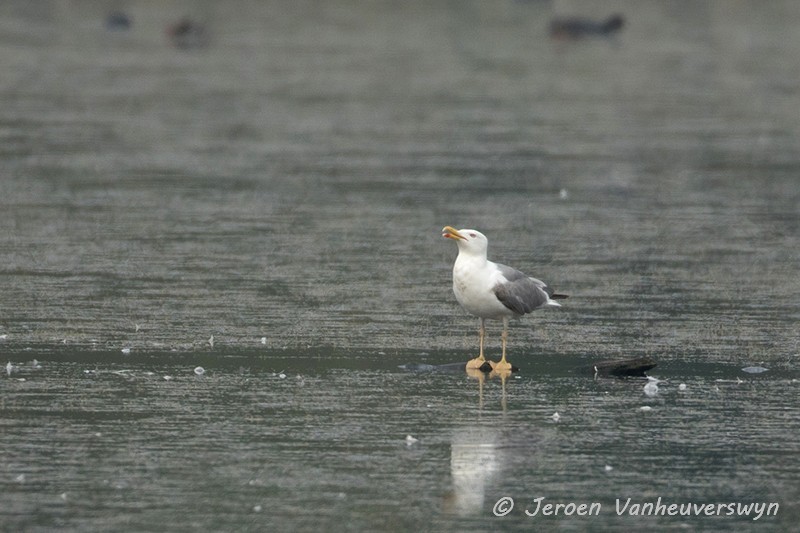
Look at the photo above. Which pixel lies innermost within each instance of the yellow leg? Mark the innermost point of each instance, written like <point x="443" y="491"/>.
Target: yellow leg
<point x="482" y="336"/>
<point x="480" y="360"/>
<point x="504" y="365"/>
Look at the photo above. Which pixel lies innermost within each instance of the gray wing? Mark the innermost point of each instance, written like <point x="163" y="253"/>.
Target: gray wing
<point x="522" y="294"/>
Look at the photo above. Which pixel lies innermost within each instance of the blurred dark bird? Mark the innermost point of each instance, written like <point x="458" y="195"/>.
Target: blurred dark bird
<point x="117" y="20"/>
<point x="187" y="33"/>
<point x="577" y="27"/>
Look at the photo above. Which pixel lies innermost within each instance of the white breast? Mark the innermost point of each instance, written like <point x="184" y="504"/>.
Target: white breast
<point x="473" y="284"/>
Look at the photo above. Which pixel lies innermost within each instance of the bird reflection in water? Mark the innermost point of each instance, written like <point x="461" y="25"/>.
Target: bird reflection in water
<point x="481" y="377"/>
<point x="475" y="462"/>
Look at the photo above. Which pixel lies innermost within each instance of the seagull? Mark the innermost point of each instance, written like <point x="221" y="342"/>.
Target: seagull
<point x="493" y="291"/>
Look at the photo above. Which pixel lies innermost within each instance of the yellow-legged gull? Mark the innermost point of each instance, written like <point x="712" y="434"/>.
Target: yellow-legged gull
<point x="490" y="290"/>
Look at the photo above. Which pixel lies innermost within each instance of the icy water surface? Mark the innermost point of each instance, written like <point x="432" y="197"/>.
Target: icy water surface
<point x="216" y="260"/>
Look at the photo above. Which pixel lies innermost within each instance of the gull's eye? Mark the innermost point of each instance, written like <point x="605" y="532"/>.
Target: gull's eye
<point x="473" y="235"/>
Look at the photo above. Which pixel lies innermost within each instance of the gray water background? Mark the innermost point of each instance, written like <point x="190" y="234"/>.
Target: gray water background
<point x="282" y="190"/>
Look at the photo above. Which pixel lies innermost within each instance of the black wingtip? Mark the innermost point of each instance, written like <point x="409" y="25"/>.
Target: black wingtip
<point x="556" y="296"/>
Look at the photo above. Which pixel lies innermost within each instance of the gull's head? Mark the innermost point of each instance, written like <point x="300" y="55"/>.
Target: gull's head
<point x="468" y="240"/>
